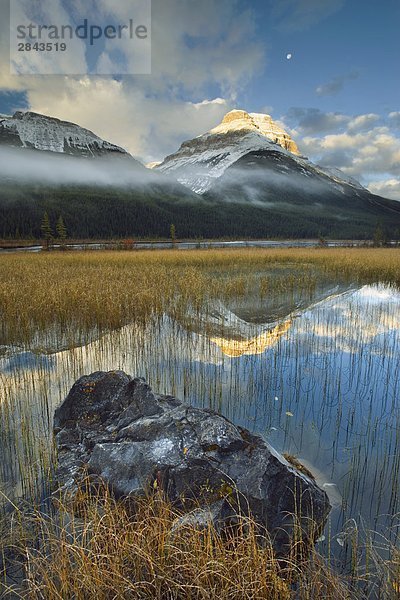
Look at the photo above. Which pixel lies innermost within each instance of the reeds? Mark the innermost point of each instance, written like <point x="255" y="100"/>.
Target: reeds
<point x="113" y="551"/>
<point x="78" y="292"/>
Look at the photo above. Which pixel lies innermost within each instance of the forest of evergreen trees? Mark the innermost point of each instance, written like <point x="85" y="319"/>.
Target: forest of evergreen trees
<point x="96" y="213"/>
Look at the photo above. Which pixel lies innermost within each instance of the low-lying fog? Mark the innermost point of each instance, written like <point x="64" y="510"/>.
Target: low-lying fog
<point x="34" y="166"/>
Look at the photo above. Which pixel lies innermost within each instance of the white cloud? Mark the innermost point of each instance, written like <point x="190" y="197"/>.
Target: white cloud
<point x="365" y="147"/>
<point x="197" y="46"/>
<point x="148" y="127"/>
<point x="363" y="122"/>
<point x="374" y="151"/>
<point x="195" y="43"/>
<point x="23" y="12"/>
<point x="390" y="188"/>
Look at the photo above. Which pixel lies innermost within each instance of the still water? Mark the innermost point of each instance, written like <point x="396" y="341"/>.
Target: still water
<point x="318" y="376"/>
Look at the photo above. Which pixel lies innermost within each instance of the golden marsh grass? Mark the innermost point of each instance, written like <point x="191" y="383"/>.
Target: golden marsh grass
<point x="66" y="299"/>
<point x="105" y="290"/>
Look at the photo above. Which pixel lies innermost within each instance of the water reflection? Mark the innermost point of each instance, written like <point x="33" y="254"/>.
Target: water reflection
<point x="322" y="383"/>
<point x="27" y="361"/>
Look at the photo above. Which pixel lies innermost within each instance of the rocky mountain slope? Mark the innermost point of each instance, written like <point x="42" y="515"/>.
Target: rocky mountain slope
<point x="298" y="196"/>
<point x="200" y="162"/>
<point x="39" y="132"/>
<point x="48" y="165"/>
<point x="249" y="160"/>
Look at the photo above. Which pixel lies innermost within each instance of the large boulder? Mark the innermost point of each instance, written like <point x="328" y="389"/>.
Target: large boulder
<point x="139" y="442"/>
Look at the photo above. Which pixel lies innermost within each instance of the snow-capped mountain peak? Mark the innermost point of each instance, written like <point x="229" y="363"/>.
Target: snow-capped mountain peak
<point x="39" y="132"/>
<point x="202" y="160"/>
<point x="240" y="120"/>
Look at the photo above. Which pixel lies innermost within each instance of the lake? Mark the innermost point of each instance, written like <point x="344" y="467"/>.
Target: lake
<point x="315" y="371"/>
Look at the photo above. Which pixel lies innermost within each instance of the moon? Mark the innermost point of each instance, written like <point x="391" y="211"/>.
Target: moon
<point x="289" y="56"/>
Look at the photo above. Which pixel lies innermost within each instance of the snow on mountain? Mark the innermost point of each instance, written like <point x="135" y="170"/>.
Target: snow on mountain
<point x="201" y="161"/>
<point x="35" y="131"/>
<point x="240" y="120"/>
<point x="340" y="177"/>
<point x="197" y="164"/>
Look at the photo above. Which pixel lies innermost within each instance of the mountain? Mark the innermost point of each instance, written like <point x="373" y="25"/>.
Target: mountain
<point x="199" y="162"/>
<point x="39" y="132"/>
<point x="53" y="166"/>
<point x="249" y="160"/>
<point x="245" y="178"/>
<point x="302" y="198"/>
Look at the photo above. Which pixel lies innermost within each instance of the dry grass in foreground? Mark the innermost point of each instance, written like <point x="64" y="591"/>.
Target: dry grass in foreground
<point x="106" y="553"/>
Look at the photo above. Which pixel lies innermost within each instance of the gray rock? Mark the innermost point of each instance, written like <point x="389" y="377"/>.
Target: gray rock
<point x="138" y="442"/>
<point x="216" y="515"/>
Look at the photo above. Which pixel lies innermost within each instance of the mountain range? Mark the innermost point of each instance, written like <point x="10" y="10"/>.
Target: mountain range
<point x="245" y="177"/>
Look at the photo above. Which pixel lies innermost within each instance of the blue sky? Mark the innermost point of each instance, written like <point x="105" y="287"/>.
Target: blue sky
<point x="361" y="38"/>
<point x="338" y="96"/>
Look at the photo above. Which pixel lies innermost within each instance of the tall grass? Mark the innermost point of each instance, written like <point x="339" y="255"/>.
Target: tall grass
<point x="79" y="292"/>
<point x="113" y="551"/>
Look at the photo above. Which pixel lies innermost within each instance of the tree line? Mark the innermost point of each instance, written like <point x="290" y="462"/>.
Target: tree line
<point x="84" y="213"/>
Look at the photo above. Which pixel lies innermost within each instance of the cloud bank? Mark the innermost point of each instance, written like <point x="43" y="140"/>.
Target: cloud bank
<point x="363" y="146"/>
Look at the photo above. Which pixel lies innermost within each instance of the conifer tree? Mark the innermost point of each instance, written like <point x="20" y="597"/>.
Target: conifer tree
<point x="380" y="237"/>
<point x="47" y="230"/>
<point x="172" y="233"/>
<point x="61" y="231"/>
